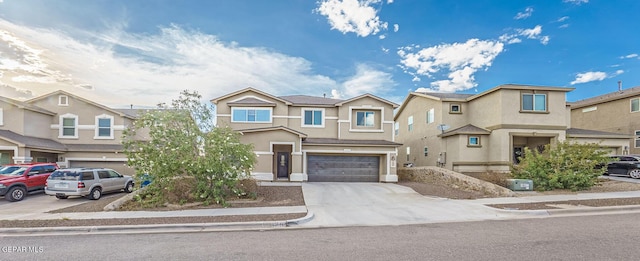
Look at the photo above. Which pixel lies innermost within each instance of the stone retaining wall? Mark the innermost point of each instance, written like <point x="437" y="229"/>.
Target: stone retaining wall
<point x="440" y="176"/>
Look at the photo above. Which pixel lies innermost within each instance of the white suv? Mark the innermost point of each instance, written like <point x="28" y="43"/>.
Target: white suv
<point x="86" y="182"/>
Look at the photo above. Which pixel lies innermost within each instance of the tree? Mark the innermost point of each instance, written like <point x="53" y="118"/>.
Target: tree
<point x="186" y="156"/>
<point x="566" y="165"/>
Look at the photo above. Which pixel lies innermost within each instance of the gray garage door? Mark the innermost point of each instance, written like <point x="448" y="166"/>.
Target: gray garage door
<point x="118" y="166"/>
<point x="322" y="168"/>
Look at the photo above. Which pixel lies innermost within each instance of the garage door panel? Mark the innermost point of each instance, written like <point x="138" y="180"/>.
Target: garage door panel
<point x="324" y="168"/>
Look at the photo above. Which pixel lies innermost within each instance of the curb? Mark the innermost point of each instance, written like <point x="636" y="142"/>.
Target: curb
<point x="156" y="228"/>
<point x="571" y="211"/>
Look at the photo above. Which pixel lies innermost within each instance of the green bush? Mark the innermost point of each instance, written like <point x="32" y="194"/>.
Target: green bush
<point x="565" y="165"/>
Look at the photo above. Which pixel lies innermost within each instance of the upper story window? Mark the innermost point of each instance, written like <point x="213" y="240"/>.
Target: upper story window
<point x="68" y="126"/>
<point x="63" y="100"/>
<point x="430" y="115"/>
<point x="635" y="105"/>
<point x="396" y="127"/>
<point x="410" y="123"/>
<point x="365" y="118"/>
<point x="1" y="117"/>
<point x="104" y="127"/>
<point x="474" y="141"/>
<point x="251" y="115"/>
<point x="534" y="102"/>
<point x="313" y="117"/>
<point x="637" y="139"/>
<point x="455" y="108"/>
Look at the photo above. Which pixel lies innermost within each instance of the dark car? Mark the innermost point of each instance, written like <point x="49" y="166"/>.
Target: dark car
<point x="625" y="165"/>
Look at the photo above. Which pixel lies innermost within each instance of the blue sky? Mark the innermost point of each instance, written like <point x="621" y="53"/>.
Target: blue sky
<point x="121" y="52"/>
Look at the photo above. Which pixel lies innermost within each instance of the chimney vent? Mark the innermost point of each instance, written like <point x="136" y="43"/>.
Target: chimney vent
<point x="619" y="86"/>
<point x="324" y="95"/>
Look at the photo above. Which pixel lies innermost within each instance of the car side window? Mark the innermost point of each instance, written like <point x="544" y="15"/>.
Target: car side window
<point x="36" y="170"/>
<point x="114" y="174"/>
<point x="49" y="168"/>
<point x="103" y="174"/>
<point x="88" y="175"/>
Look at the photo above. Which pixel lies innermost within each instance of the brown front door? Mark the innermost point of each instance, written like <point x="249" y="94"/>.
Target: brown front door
<point x="283" y="165"/>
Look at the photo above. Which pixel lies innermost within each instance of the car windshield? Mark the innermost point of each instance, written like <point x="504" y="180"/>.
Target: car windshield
<point x="64" y="175"/>
<point x="12" y="170"/>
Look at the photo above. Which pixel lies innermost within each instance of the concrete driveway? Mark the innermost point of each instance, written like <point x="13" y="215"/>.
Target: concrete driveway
<point x="371" y="204"/>
<point x="36" y="204"/>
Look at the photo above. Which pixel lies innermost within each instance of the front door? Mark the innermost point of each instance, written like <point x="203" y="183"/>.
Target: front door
<point x="283" y="165"/>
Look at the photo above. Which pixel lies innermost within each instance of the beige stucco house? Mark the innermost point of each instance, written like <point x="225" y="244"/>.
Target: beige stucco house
<point x="307" y="138"/>
<point x="64" y="128"/>
<point x="487" y="131"/>
<point x="617" y="112"/>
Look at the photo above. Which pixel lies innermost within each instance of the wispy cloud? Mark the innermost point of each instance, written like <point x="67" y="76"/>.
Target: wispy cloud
<point x="523" y="15"/>
<point x="629" y="56"/>
<point x="460" y="60"/>
<point x="562" y="19"/>
<point x="118" y="68"/>
<point x="594" y="76"/>
<point x="367" y="80"/>
<point x="576" y="2"/>
<point x="353" y="16"/>
<point x="533" y="33"/>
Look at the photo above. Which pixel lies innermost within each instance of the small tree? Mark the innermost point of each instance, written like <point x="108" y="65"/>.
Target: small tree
<point x="179" y="144"/>
<point x="566" y="165"/>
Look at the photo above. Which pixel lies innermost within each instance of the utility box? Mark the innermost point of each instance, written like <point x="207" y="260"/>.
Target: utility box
<point x="520" y="184"/>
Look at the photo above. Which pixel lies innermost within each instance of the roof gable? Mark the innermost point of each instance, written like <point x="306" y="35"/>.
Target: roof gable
<point x="90" y="102"/>
<point x="393" y="104"/>
<point x="26" y="106"/>
<point x="246" y="90"/>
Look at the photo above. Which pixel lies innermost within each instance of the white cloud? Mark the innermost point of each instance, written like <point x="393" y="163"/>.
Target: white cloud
<point x="382" y="36"/>
<point x="618" y="72"/>
<point x="461" y="60"/>
<point x="396" y="27"/>
<point x="589" y="77"/>
<point x="576" y="2"/>
<point x="533" y="33"/>
<point x="562" y="19"/>
<point x="629" y="56"/>
<point x="523" y="15"/>
<point x="118" y="68"/>
<point x="353" y="16"/>
<point x="563" y="26"/>
<point x="389" y="1"/>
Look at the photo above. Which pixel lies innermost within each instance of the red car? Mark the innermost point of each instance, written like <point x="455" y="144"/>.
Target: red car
<point x="17" y="180"/>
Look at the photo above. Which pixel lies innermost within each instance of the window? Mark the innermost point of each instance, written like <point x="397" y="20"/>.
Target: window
<point x="455" y="108"/>
<point x="410" y="121"/>
<point x="474" y="141"/>
<point x="426" y="151"/>
<point x="69" y="128"/>
<point x="1" y="117"/>
<point x="637" y="138"/>
<point x="430" y="115"/>
<point x="104" y="127"/>
<point x="365" y="118"/>
<point x="63" y="100"/>
<point x="312" y="117"/>
<point x="408" y="153"/>
<point x="534" y="102"/>
<point x="396" y="127"/>
<point x="251" y="115"/>
<point x="87" y="175"/>
<point x="635" y="105"/>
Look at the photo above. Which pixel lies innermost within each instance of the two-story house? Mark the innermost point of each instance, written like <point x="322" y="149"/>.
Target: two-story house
<point x="487" y="131"/>
<point x="64" y="128"/>
<point x="617" y="112"/>
<point x="307" y="138"/>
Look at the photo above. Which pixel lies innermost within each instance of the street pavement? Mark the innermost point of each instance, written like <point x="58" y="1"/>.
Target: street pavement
<point x="327" y="205"/>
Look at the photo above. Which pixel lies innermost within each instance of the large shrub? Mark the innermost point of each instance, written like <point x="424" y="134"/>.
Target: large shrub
<point x="565" y="165"/>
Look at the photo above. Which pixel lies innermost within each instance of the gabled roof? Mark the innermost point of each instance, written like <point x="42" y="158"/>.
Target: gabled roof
<point x="249" y="101"/>
<point x="330" y="141"/>
<point x="26" y="106"/>
<point x="283" y="128"/>
<point x="465" y="130"/>
<point x="61" y="92"/>
<point x="393" y="104"/>
<point x="32" y="142"/>
<point x="248" y="89"/>
<point x="612" y="96"/>
<point x="310" y="100"/>
<point x="584" y="133"/>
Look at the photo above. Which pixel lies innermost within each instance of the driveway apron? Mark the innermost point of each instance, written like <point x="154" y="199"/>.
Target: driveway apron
<point x="372" y="204"/>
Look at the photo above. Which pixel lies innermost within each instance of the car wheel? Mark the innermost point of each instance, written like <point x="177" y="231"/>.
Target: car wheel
<point x="95" y="194"/>
<point x="62" y="197"/>
<point x="634" y="173"/>
<point x="16" y="194"/>
<point x="129" y="187"/>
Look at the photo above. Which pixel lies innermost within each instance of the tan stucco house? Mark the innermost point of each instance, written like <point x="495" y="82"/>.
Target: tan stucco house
<point x="64" y="128"/>
<point x="308" y="138"/>
<point x="617" y="112"/>
<point x="489" y="130"/>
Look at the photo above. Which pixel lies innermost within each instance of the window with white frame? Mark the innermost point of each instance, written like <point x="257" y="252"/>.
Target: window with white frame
<point x="474" y="141"/>
<point x="365" y="119"/>
<point x="313" y="117"/>
<point x="635" y="105"/>
<point x="430" y="115"/>
<point x="534" y="102"/>
<point x="1" y="117"/>
<point x="63" y="100"/>
<point x="104" y="127"/>
<point x="408" y="153"/>
<point x="637" y="138"/>
<point x="251" y="115"/>
<point x="410" y="123"/>
<point x="455" y="108"/>
<point x="396" y="127"/>
<point x="69" y="126"/>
